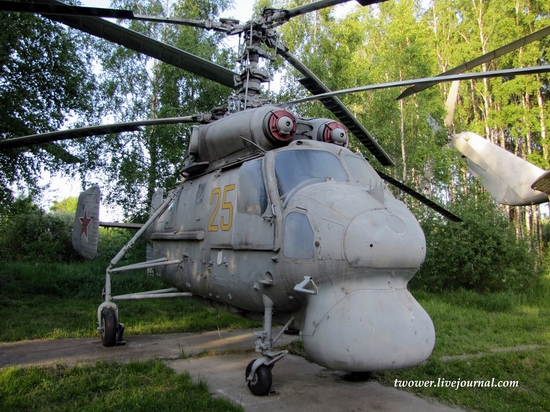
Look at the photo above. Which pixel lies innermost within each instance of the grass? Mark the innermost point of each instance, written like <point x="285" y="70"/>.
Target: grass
<point x="468" y="323"/>
<point x="138" y="386"/>
<point x="55" y="301"/>
<point x="529" y="368"/>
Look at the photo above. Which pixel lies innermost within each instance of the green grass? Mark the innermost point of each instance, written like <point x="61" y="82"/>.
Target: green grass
<point x="57" y="301"/>
<point x="530" y="368"/>
<point x="468" y="323"/>
<point x="138" y="386"/>
<point x="53" y="301"/>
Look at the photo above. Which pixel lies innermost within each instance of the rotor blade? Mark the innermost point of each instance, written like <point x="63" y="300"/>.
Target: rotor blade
<point x="318" y="5"/>
<point x="450" y="105"/>
<point x="482" y="59"/>
<point x="440" y="79"/>
<point x="146" y="45"/>
<point x="542" y="184"/>
<point x="66" y="10"/>
<point x="316" y="86"/>
<point x="91" y="131"/>
<point x="41" y="8"/>
<point x="419" y="197"/>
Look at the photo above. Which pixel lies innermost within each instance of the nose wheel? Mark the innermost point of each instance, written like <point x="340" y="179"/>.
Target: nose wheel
<point x="261" y="379"/>
<point x="258" y="371"/>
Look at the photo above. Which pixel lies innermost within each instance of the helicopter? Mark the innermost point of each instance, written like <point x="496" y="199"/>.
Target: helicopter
<point x="274" y="217"/>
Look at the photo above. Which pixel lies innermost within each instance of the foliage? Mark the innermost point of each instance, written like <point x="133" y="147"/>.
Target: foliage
<point x="142" y="386"/>
<point x="44" y="79"/>
<point x="29" y="234"/>
<point x="111" y="240"/>
<point x="405" y="39"/>
<point x="67" y="205"/>
<point x="482" y="253"/>
<point x="137" y="87"/>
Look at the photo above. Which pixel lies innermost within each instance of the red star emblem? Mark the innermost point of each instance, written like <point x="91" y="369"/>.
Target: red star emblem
<point x="85" y="220"/>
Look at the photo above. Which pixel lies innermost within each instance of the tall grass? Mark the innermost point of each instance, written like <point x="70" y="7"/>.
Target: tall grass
<point x="60" y="301"/>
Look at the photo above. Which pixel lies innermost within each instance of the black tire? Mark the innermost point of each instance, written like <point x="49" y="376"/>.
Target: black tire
<point x="108" y="327"/>
<point x="261" y="384"/>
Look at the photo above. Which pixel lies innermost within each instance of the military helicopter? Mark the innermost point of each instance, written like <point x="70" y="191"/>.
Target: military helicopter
<point x="275" y="218"/>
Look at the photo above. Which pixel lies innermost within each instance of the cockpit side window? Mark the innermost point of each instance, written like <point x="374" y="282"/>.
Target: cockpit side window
<point x="252" y="196"/>
<point x="300" y="167"/>
<point x="361" y="171"/>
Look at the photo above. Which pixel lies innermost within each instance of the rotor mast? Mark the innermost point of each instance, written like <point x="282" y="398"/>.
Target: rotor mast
<point x="257" y="33"/>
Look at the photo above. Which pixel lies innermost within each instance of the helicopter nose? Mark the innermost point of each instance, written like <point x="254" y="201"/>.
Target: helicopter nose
<point x="382" y="239"/>
<point x="367" y="330"/>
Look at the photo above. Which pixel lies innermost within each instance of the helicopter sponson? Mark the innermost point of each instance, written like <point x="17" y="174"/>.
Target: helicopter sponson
<point x="275" y="218"/>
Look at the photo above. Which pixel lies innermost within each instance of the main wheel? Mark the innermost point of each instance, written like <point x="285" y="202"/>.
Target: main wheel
<point x="261" y="383"/>
<point x="108" y="327"/>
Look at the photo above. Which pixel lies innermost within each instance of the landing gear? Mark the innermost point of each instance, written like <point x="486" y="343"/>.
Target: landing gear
<point x="108" y="327"/>
<point x="260" y="384"/>
<point x="258" y="372"/>
<point x="111" y="331"/>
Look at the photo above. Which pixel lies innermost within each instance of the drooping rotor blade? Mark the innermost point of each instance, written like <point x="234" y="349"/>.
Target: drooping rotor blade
<point x="419" y="197"/>
<point x="143" y="44"/>
<point x="92" y="131"/>
<point x="225" y="25"/>
<point x="482" y="59"/>
<point x="335" y="105"/>
<point x="450" y="104"/>
<point x="318" y="5"/>
<point x="439" y="79"/>
<point x="542" y="184"/>
<point x="42" y="8"/>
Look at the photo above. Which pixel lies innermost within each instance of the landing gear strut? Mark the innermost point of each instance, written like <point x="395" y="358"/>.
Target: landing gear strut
<point x="258" y="372"/>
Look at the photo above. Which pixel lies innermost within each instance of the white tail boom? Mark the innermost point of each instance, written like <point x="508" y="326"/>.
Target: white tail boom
<point x="508" y="178"/>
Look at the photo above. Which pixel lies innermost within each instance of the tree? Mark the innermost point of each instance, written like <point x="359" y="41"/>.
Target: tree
<point x="66" y="205"/>
<point x="137" y="88"/>
<point x="44" y="80"/>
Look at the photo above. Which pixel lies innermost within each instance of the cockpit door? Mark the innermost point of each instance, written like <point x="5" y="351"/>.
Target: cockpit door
<point x="254" y="226"/>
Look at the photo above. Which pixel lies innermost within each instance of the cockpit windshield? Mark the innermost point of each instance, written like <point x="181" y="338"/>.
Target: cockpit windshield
<point x="361" y="172"/>
<point x="295" y="168"/>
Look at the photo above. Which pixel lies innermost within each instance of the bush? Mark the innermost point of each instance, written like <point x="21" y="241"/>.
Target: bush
<point x="27" y="233"/>
<point x="111" y="240"/>
<point x="482" y="253"/>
